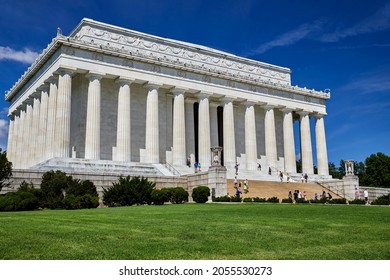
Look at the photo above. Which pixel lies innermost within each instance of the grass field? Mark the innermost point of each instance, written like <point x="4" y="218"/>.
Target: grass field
<point x="193" y="231"/>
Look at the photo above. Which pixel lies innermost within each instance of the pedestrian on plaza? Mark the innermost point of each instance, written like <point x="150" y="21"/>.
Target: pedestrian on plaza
<point x="259" y="166"/>
<point x="306" y="177"/>
<point x="281" y="176"/>
<point x="235" y="181"/>
<point x="357" y="194"/>
<point x="196" y="167"/>
<point x="236" y="167"/>
<point x="269" y="170"/>
<point x="366" y="196"/>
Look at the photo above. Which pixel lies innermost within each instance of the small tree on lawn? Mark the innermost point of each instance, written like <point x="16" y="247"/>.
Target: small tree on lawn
<point x="5" y="169"/>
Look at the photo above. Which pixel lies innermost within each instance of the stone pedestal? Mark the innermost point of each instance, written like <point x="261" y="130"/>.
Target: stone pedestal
<point x="217" y="181"/>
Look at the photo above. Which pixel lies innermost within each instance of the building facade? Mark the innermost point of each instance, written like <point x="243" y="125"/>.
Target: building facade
<point x="110" y="95"/>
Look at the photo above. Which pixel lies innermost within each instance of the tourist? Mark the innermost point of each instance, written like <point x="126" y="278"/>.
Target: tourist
<point x="259" y="166"/>
<point x="357" y="194"/>
<point x="196" y="167"/>
<point x="281" y="176"/>
<point x="366" y="196"/>
<point x="199" y="166"/>
<point x="330" y="196"/>
<point x="306" y="177"/>
<point x="304" y="195"/>
<point x="288" y="178"/>
<point x="290" y="195"/>
<point x="235" y="181"/>
<point x="295" y="195"/>
<point x="299" y="194"/>
<point x="323" y="194"/>
<point x="302" y="178"/>
<point x="236" y="167"/>
<point x="246" y="186"/>
<point x="269" y="171"/>
<point x="315" y="196"/>
<point x="238" y="191"/>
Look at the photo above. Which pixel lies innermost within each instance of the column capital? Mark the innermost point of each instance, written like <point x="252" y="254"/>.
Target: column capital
<point x="124" y="81"/>
<point x="94" y="75"/>
<point x="190" y="100"/>
<point x="178" y="90"/>
<point x="286" y="110"/>
<point x="203" y="95"/>
<point x="228" y="99"/>
<point x="44" y="87"/>
<point x="151" y="86"/>
<point x="63" y="70"/>
<point x="268" y="106"/>
<point x="249" y="103"/>
<point x="53" y="79"/>
<point x="318" y="115"/>
<point x="303" y="113"/>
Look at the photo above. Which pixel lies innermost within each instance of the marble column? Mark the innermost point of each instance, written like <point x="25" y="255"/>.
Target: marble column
<point x="179" y="128"/>
<point x="250" y="137"/>
<point x="290" y="165"/>
<point x="19" y="147"/>
<point x="204" y="139"/>
<point x="152" y="145"/>
<point x="51" y="118"/>
<point x="123" y="142"/>
<point x="92" y="133"/>
<point x="11" y="140"/>
<point x="270" y="138"/>
<point x="229" y="142"/>
<point x="306" y="148"/>
<point x="25" y="162"/>
<point x="214" y="141"/>
<point x="43" y="123"/>
<point x="322" y="154"/>
<point x="35" y="129"/>
<point x="62" y="128"/>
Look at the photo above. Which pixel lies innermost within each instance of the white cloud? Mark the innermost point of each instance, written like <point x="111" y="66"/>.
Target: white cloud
<point x="290" y="37"/>
<point x="24" y="56"/>
<point x="377" y="22"/>
<point x="3" y="133"/>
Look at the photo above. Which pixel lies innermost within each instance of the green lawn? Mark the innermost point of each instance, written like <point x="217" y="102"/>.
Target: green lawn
<point x="193" y="231"/>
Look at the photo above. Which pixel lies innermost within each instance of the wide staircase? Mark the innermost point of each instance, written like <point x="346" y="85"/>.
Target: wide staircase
<point x="267" y="189"/>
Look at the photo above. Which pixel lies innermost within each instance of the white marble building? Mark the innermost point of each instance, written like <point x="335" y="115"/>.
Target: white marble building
<point x="110" y="96"/>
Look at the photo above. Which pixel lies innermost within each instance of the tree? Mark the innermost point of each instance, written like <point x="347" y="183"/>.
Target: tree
<point x="5" y="169"/>
<point x="377" y="172"/>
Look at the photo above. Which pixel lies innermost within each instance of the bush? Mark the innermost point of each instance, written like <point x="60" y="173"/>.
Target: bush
<point x="247" y="199"/>
<point x="338" y="201"/>
<point x="273" y="199"/>
<point x="5" y="169"/>
<point x="357" y="201"/>
<point x="381" y="200"/>
<point x="200" y="194"/>
<point x="178" y="195"/>
<point x="128" y="191"/>
<point x="160" y="196"/>
<point x="222" y="199"/>
<point x="18" y="201"/>
<point x="287" y="200"/>
<point x="301" y="200"/>
<point x="62" y="191"/>
<point x="258" y="199"/>
<point x="235" y="199"/>
<point x="321" y="200"/>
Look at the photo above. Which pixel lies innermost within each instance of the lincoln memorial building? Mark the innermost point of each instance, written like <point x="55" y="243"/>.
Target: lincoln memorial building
<point x="113" y="99"/>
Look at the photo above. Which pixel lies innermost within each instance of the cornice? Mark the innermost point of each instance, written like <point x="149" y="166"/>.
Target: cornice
<point x="184" y="57"/>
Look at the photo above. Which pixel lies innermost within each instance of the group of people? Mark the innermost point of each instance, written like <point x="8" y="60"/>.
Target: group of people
<point x="297" y="195"/>
<point x="304" y="178"/>
<point x="238" y="186"/>
<point x="197" y="167"/>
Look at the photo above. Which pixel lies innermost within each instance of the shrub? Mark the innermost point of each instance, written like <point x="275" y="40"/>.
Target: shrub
<point x="200" y="194"/>
<point x="273" y="199"/>
<point x="381" y="200"/>
<point x="301" y="200"/>
<point x="128" y="191"/>
<point x="178" y="195"/>
<point x="357" y="201"/>
<point x="5" y="169"/>
<point x="235" y="199"/>
<point x="258" y="199"/>
<point x="287" y="200"/>
<point x="321" y="200"/>
<point x="81" y="202"/>
<point x="247" y="199"/>
<point x="160" y="196"/>
<point x="18" y="201"/>
<point x="222" y="199"/>
<point x="338" y="201"/>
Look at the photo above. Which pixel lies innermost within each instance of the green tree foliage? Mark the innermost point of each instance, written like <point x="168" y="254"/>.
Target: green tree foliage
<point x="128" y="191"/>
<point x="377" y="171"/>
<point x="174" y="195"/>
<point x="24" y="199"/>
<point x="5" y="169"/>
<point x="200" y="194"/>
<point x="62" y="191"/>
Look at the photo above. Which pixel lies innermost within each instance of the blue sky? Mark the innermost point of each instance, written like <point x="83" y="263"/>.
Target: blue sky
<point x="340" y="45"/>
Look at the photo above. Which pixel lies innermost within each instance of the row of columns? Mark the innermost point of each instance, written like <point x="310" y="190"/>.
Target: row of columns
<point x="42" y="128"/>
